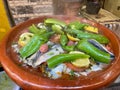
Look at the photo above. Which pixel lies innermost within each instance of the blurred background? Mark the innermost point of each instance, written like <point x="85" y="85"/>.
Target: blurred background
<point x="106" y="12"/>
<point x="26" y="9"/>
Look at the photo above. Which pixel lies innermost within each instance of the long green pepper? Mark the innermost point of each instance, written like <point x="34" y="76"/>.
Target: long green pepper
<point x="98" y="37"/>
<point x="69" y="48"/>
<point x="55" y="21"/>
<point x="57" y="28"/>
<point x="35" y="30"/>
<point x="76" y="25"/>
<point x="44" y="37"/>
<point x="58" y="59"/>
<point x="31" y="47"/>
<point x="84" y="35"/>
<point x="63" y="40"/>
<point x="93" y="51"/>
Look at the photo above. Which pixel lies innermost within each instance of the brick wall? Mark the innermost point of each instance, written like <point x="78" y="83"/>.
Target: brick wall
<point x="26" y="9"/>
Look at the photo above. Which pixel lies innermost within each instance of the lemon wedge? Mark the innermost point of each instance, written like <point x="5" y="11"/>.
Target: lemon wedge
<point x="24" y="38"/>
<point x="80" y="62"/>
<point x="91" y="29"/>
<point x="72" y="38"/>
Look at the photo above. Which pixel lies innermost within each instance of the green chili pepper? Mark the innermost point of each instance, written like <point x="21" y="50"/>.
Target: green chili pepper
<point x="45" y="36"/>
<point x="93" y="51"/>
<point x="57" y="29"/>
<point x="63" y="40"/>
<point x="72" y="31"/>
<point x="68" y="48"/>
<point x="76" y="25"/>
<point x="31" y="47"/>
<point x="58" y="59"/>
<point x="82" y="35"/>
<point x="98" y="37"/>
<point x="54" y="21"/>
<point x="35" y="30"/>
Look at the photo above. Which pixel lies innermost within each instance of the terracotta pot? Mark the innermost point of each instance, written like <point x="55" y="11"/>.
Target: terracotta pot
<point x="28" y="79"/>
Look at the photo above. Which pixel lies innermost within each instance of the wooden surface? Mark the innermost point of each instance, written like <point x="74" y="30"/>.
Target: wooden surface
<point x="113" y="6"/>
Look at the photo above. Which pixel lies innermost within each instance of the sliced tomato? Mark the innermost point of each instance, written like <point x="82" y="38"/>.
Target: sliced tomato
<point x="44" y="48"/>
<point x="70" y="43"/>
<point x="72" y="67"/>
<point x="108" y="47"/>
<point x="55" y="38"/>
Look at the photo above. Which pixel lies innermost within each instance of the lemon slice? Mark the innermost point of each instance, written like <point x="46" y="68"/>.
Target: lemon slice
<point x="91" y="29"/>
<point x="72" y="38"/>
<point x="24" y="38"/>
<point x="80" y="62"/>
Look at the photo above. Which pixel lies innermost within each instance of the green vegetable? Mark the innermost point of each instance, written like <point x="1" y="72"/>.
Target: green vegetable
<point x="57" y="29"/>
<point x="54" y="21"/>
<point x="31" y="47"/>
<point x="85" y="35"/>
<point x="63" y="40"/>
<point x="44" y="37"/>
<point x="68" y="48"/>
<point x="76" y="25"/>
<point x="35" y="30"/>
<point x="93" y="51"/>
<point x="25" y="38"/>
<point x="98" y="37"/>
<point x="58" y="59"/>
<point x="72" y="31"/>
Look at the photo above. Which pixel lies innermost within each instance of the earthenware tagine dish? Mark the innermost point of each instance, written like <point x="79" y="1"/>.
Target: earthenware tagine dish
<point x="29" y="78"/>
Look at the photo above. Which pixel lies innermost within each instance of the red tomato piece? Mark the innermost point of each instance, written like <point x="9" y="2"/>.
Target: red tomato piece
<point x="55" y="38"/>
<point x="44" y="48"/>
<point x="70" y="43"/>
<point x="72" y="67"/>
